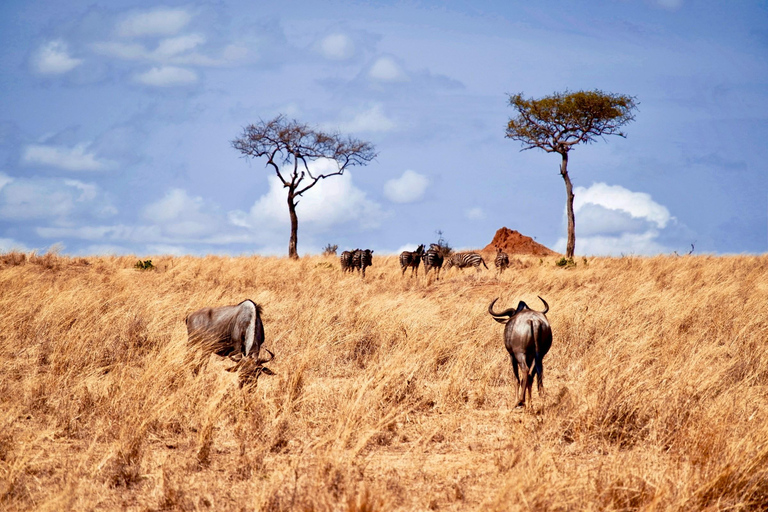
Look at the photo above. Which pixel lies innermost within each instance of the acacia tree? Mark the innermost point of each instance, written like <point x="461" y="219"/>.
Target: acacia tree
<point x="289" y="147"/>
<point x="558" y="122"/>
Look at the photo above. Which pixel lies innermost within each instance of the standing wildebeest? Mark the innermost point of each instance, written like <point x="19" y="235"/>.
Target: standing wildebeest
<point x="465" y="259"/>
<point x="228" y="331"/>
<point x="361" y="259"/>
<point x="411" y="259"/>
<point x="501" y="261"/>
<point x="528" y="338"/>
<point x="346" y="261"/>
<point x="432" y="259"/>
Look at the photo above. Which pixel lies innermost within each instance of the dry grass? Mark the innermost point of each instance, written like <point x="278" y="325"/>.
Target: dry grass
<point x="390" y="394"/>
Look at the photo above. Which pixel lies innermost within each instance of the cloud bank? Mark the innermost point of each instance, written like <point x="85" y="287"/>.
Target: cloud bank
<point x="612" y="220"/>
<point x="408" y="188"/>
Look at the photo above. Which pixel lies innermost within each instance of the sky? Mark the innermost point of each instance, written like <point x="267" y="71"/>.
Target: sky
<point x="117" y="118"/>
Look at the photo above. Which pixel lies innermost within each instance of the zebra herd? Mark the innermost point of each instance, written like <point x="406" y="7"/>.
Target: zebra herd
<point x="358" y="260"/>
<point x="433" y="258"/>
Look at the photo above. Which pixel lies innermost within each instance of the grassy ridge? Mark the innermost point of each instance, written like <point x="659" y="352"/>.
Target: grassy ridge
<point x="390" y="393"/>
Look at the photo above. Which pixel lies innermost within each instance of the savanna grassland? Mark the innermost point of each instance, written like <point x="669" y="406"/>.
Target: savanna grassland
<point x="390" y="393"/>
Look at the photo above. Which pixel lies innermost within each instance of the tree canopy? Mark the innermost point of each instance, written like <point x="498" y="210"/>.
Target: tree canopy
<point x="289" y="147"/>
<point x="559" y="122"/>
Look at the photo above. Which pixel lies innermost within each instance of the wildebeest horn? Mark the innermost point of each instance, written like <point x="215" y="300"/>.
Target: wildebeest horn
<point x="510" y="312"/>
<point x="546" y="306"/>
<point x="271" y="357"/>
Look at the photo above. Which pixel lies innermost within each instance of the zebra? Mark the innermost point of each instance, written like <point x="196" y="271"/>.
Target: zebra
<point x="411" y="259"/>
<point x="361" y="259"/>
<point x="346" y="261"/>
<point x="465" y="259"/>
<point x="502" y="260"/>
<point x="432" y="259"/>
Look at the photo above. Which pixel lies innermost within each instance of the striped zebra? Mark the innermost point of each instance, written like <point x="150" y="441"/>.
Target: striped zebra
<point x="361" y="259"/>
<point x="432" y="259"/>
<point x="465" y="259"/>
<point x="346" y="261"/>
<point x="411" y="259"/>
<point x="502" y="261"/>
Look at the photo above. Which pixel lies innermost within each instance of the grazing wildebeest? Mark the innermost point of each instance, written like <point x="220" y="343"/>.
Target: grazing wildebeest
<point x="432" y="259"/>
<point x="361" y="259"/>
<point x="228" y="331"/>
<point x="527" y="337"/>
<point x="465" y="259"/>
<point x="411" y="259"/>
<point x="249" y="370"/>
<point x="501" y="261"/>
<point x="346" y="261"/>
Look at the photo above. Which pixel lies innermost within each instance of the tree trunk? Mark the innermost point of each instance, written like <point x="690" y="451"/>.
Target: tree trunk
<point x="571" y="246"/>
<point x="292" y="253"/>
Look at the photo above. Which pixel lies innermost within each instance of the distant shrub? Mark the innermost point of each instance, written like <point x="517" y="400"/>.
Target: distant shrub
<point x="442" y="245"/>
<point x="144" y="265"/>
<point x="50" y="260"/>
<point x="565" y="263"/>
<point x="330" y="250"/>
<point x="13" y="258"/>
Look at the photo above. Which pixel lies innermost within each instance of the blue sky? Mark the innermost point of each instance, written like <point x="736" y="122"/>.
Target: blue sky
<point x="116" y="120"/>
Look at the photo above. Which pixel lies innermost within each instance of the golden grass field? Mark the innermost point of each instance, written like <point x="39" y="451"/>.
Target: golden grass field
<point x="390" y="393"/>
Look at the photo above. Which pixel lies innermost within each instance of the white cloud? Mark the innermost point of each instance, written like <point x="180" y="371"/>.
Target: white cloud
<point x="332" y="202"/>
<point x="386" y="69"/>
<point x="475" y="213"/>
<point x="25" y="199"/>
<point x="408" y="188"/>
<point x="53" y="58"/>
<point x="612" y="220"/>
<point x="167" y="76"/>
<point x="157" y="22"/>
<point x="77" y="158"/>
<point x="616" y="197"/>
<point x="337" y="47"/>
<point x="371" y="120"/>
<point x="182" y="216"/>
<point x="4" y="180"/>
<point x="175" y="45"/>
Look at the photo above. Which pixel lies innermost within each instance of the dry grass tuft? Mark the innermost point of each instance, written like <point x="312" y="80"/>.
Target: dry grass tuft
<point x="389" y="393"/>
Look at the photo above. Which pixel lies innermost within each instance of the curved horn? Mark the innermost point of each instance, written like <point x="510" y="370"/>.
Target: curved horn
<point x="546" y="306"/>
<point x="510" y="312"/>
<point x="262" y="361"/>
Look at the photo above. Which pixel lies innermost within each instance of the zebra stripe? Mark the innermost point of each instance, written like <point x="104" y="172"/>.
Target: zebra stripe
<point x="362" y="258"/>
<point x="502" y="261"/>
<point x="411" y="259"/>
<point x="432" y="259"/>
<point x="346" y="261"/>
<point x="465" y="259"/>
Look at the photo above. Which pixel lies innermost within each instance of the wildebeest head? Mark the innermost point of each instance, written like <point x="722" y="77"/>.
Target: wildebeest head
<point x="249" y="370"/>
<point x="506" y="315"/>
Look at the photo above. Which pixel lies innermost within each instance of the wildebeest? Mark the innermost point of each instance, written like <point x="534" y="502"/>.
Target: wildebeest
<point x="236" y="332"/>
<point x="527" y="337"/>
<point x="465" y="259"/>
<point x="346" y="261"/>
<point x="432" y="259"/>
<point x="501" y="261"/>
<point x="411" y="259"/>
<point x="361" y="259"/>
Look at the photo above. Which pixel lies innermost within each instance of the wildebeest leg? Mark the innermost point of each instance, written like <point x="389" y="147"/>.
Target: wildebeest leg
<point x="517" y="379"/>
<point x="525" y="380"/>
<point x="539" y="371"/>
